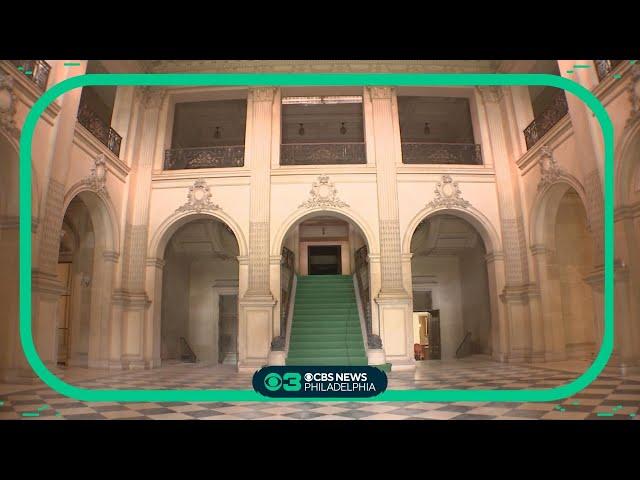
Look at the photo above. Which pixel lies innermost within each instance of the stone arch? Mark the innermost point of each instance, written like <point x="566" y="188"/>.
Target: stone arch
<point x="171" y="225"/>
<point x="105" y="248"/>
<point x="102" y="211"/>
<point x="627" y="168"/>
<point x="480" y="222"/>
<point x="545" y="208"/>
<point x="347" y="215"/>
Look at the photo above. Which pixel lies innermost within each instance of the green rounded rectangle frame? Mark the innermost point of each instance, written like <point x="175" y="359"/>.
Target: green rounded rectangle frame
<point x="302" y="79"/>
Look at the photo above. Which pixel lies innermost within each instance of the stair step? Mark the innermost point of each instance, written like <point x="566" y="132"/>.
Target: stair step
<point x="338" y="361"/>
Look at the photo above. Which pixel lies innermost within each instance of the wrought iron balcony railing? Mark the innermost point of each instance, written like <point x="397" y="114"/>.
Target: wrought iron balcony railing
<point x="547" y="119"/>
<point x="36" y="70"/>
<point x="322" y="153"/>
<point x="441" y="153"/>
<point x="204" y="157"/>
<point x="99" y="128"/>
<point x="604" y="67"/>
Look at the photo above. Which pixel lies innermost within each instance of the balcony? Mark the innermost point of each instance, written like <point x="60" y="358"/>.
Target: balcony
<point x="604" y="67"/>
<point x="556" y="110"/>
<point x="35" y="70"/>
<point x="204" y="157"/>
<point x="352" y="153"/>
<point x="425" y="153"/>
<point x="99" y="128"/>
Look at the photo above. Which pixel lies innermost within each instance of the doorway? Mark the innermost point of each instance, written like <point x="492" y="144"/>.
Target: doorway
<point x="325" y="260"/>
<point x="228" y="333"/>
<point x="427" y="343"/>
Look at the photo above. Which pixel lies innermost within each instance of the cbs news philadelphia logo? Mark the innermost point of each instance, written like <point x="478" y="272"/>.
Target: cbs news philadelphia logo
<point x="320" y="381"/>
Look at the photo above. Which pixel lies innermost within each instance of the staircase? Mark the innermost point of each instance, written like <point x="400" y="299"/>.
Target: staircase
<point x="326" y="326"/>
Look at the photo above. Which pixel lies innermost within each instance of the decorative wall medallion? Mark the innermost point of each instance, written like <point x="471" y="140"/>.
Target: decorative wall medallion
<point x="634" y="94"/>
<point x="549" y="170"/>
<point x="448" y="195"/>
<point x="323" y="194"/>
<point x="198" y="199"/>
<point x="8" y="102"/>
<point x="97" y="179"/>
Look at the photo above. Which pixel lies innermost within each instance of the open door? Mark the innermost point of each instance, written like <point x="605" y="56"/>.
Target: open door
<point x="433" y="332"/>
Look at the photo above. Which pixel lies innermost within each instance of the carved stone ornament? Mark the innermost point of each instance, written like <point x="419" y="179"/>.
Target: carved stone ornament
<point x="549" y="170"/>
<point x="323" y="194"/>
<point x="8" y="102"/>
<point x="634" y="94"/>
<point x="263" y="94"/>
<point x="380" y="93"/>
<point x="97" y="179"/>
<point x="198" y="199"/>
<point x="491" y="94"/>
<point x="448" y="195"/>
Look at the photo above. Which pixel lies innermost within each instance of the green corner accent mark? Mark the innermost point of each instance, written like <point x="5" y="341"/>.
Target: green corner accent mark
<point x="30" y="414"/>
<point x="569" y="71"/>
<point x="43" y="407"/>
<point x="617" y="76"/>
<point x="581" y="66"/>
<point x="604" y="414"/>
<point x="312" y="79"/>
<point x="71" y="64"/>
<point x="632" y="62"/>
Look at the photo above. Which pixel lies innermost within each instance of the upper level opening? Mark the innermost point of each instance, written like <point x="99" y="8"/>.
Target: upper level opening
<point x="549" y="104"/>
<point x="437" y="130"/>
<point x="96" y="109"/>
<point x="322" y="130"/>
<point x="208" y="134"/>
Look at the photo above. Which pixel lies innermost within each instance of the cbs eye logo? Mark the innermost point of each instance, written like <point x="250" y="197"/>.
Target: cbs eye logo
<point x="289" y="382"/>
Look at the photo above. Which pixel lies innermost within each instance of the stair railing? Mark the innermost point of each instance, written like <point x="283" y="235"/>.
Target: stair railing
<point x="186" y="352"/>
<point x="287" y="276"/>
<point x="464" y="349"/>
<point x="364" y="291"/>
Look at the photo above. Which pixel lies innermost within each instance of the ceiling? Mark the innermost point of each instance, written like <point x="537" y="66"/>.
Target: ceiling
<point x="444" y="235"/>
<point x="284" y="66"/>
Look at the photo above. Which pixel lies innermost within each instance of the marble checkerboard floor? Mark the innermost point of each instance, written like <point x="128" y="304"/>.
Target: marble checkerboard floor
<point x="610" y="396"/>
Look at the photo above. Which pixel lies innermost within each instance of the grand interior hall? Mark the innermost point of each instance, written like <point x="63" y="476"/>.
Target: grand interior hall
<point x="183" y="237"/>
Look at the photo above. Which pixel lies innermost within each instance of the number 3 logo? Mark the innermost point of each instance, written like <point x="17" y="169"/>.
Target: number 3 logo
<point x="291" y="382"/>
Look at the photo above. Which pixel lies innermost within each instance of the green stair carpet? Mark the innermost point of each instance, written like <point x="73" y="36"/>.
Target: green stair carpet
<point x="326" y="326"/>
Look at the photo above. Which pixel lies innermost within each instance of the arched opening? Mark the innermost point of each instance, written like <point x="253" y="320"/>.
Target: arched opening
<point x="450" y="288"/>
<point x="199" y="307"/>
<point x="10" y="351"/>
<point x="85" y="274"/>
<point x="327" y="253"/>
<point x="569" y="264"/>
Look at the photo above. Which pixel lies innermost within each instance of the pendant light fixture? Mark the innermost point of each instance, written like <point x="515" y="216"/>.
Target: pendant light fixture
<point x="216" y="134"/>
<point x="427" y="129"/>
<point x="343" y="129"/>
<point x="301" y="129"/>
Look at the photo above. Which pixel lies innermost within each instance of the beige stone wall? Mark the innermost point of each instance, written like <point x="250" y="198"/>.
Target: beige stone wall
<point x="509" y="200"/>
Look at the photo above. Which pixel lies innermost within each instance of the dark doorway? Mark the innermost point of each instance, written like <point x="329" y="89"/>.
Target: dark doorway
<point x="325" y="260"/>
<point x="228" y="333"/>
<point x="434" y="351"/>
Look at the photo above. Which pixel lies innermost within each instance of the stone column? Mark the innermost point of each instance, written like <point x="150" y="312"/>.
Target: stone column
<point x="589" y="149"/>
<point x="131" y="301"/>
<point x="46" y="288"/>
<point x="394" y="303"/>
<point x="551" y="306"/>
<point x="257" y="323"/>
<point x="517" y="290"/>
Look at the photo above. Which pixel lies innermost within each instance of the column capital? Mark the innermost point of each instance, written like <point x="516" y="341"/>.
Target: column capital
<point x="491" y="94"/>
<point x="263" y="94"/>
<point x="151" y="97"/>
<point x="381" y="93"/>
